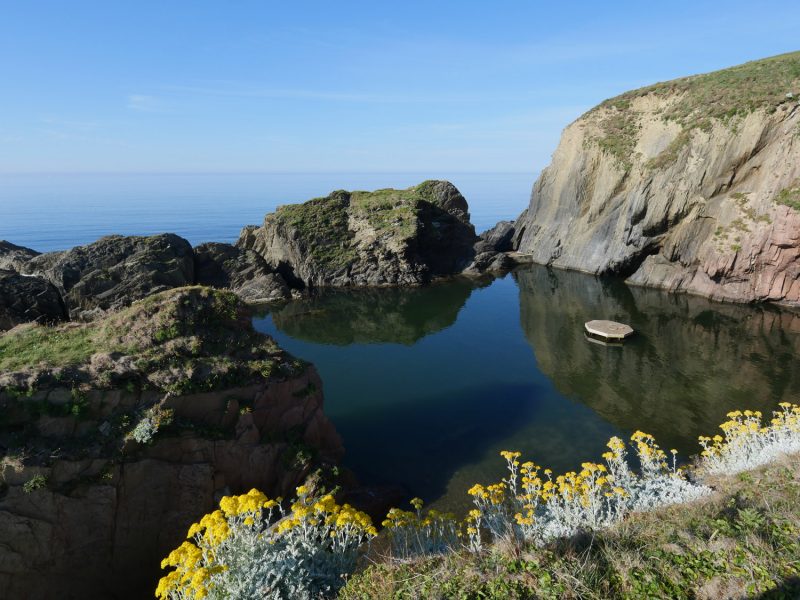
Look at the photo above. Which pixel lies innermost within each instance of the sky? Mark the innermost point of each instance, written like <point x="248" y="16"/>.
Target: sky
<point x="237" y="86"/>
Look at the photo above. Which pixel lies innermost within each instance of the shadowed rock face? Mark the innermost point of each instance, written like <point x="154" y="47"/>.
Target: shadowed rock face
<point x="743" y="357"/>
<point x="87" y="511"/>
<point x="115" y="270"/>
<point x="689" y="185"/>
<point x="24" y="298"/>
<point x="242" y="271"/>
<point x="394" y="315"/>
<point x="385" y="237"/>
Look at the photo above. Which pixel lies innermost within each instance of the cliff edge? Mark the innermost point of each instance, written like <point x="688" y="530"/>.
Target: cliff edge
<point x="691" y="185"/>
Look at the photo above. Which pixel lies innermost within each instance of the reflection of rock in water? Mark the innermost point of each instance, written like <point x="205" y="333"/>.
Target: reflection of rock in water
<point x="376" y="315"/>
<point x="690" y="363"/>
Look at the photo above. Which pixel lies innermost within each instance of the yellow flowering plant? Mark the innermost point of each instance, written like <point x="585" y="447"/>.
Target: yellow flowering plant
<point x="251" y="547"/>
<point x="420" y="533"/>
<point x="747" y="443"/>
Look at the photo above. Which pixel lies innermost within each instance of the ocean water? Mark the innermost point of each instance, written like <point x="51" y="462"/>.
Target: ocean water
<point x="57" y="211"/>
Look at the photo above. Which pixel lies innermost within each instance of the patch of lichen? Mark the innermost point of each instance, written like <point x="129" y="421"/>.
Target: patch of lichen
<point x="721" y="96"/>
<point x="182" y="340"/>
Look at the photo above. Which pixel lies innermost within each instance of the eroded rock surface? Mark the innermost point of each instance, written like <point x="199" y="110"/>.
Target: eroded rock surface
<point x="115" y="270"/>
<point x="690" y="185"/>
<point x="385" y="237"/>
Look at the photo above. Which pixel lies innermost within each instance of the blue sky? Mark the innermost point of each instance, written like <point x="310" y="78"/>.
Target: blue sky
<point x="195" y="86"/>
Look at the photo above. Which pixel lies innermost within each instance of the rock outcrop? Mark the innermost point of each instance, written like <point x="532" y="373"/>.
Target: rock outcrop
<point x="12" y="257"/>
<point x="690" y="185"/>
<point x="115" y="270"/>
<point x="118" y="434"/>
<point x="385" y="237"/>
<point x="24" y="299"/>
<point x="240" y="270"/>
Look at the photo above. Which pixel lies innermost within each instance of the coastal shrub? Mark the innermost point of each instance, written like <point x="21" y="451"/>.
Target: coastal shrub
<point x="254" y="548"/>
<point x="413" y="533"/>
<point x="37" y="482"/>
<point x="152" y="420"/>
<point x="746" y="443"/>
<point x="531" y="505"/>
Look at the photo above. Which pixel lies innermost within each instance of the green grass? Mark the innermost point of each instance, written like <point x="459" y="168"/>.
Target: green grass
<point x="722" y="96"/>
<point x="790" y="196"/>
<point x="183" y="340"/>
<point x="744" y="541"/>
<point x="41" y="345"/>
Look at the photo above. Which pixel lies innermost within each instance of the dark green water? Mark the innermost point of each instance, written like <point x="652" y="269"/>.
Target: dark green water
<point x="428" y="385"/>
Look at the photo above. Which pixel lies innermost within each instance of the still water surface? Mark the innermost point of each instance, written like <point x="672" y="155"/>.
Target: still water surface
<point x="428" y="385"/>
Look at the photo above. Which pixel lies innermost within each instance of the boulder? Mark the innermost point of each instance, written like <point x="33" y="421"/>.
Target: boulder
<point x="241" y="270"/>
<point x="385" y="237"/>
<point x="24" y="299"/>
<point x="13" y="257"/>
<point x="115" y="270"/>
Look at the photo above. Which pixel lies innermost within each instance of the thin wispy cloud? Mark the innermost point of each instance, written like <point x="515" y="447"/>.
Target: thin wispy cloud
<point x="144" y="103"/>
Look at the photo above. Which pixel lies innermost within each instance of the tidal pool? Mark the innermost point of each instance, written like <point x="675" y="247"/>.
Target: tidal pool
<point x="427" y="385"/>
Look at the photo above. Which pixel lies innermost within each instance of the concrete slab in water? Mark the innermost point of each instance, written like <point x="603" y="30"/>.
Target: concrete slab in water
<point x="608" y="330"/>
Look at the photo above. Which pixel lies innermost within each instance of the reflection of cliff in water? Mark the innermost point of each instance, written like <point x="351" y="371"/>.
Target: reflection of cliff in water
<point x="374" y="315"/>
<point x="690" y="362"/>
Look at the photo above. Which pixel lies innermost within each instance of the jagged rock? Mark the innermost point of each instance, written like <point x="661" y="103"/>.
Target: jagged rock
<point x="240" y="270"/>
<point x="13" y="257"/>
<point x="385" y="237"/>
<point x="24" y="299"/>
<point x="233" y="411"/>
<point x="690" y="185"/>
<point x="496" y="239"/>
<point x="116" y="270"/>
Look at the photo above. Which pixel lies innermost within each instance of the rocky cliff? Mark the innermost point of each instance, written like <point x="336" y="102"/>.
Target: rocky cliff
<point x="115" y="435"/>
<point x="109" y="274"/>
<point x="385" y="237"/>
<point x="691" y="185"/>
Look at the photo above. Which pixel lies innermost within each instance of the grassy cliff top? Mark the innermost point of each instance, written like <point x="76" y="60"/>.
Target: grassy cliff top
<point x="185" y="339"/>
<point x="700" y="99"/>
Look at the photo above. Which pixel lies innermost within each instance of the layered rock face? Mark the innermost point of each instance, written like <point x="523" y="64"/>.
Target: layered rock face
<point x="385" y="237"/>
<point x="130" y="428"/>
<point x="240" y="270"/>
<point x="691" y="185"/>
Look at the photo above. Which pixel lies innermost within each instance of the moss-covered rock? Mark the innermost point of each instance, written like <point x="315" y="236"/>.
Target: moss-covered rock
<point x="384" y="237"/>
